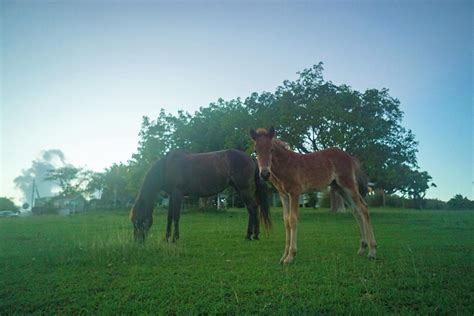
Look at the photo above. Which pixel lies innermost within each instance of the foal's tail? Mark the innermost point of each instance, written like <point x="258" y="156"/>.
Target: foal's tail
<point x="262" y="198"/>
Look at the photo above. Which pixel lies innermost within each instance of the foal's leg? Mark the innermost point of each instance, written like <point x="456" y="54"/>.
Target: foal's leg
<point x="363" y="238"/>
<point x="347" y="197"/>
<point x="293" y="221"/>
<point x="177" y="201"/>
<point x="368" y="228"/>
<point x="361" y="211"/>
<point x="286" y="220"/>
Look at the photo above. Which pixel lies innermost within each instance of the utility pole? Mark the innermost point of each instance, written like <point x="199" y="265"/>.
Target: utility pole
<point x="33" y="194"/>
<point x="115" y="197"/>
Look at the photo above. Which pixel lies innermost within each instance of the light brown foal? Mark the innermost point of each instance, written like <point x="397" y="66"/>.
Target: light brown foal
<point x="292" y="174"/>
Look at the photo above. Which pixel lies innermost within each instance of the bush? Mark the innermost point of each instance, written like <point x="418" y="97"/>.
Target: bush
<point x="7" y="205"/>
<point x="434" y="204"/>
<point x="458" y="202"/>
<point x="375" y="200"/>
<point x="394" y="201"/>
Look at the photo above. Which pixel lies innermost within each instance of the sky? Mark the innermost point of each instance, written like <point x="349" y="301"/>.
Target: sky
<point x="78" y="76"/>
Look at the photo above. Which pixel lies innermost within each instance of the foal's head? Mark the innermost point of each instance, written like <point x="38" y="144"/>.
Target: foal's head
<point x="142" y="219"/>
<point x="263" y="149"/>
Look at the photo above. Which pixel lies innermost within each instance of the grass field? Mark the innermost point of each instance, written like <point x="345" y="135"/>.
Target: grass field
<point x="88" y="264"/>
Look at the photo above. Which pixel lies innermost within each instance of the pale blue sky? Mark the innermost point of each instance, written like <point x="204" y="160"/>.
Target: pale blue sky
<point x="79" y="75"/>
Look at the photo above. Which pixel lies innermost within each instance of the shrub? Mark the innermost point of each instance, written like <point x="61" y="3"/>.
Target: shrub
<point x="458" y="202"/>
<point x="7" y="204"/>
<point x="394" y="201"/>
<point x="374" y="200"/>
<point x="434" y="204"/>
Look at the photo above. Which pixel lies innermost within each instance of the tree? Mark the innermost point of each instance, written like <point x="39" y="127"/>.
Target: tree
<point x="458" y="202"/>
<point x="7" y="205"/>
<point x="69" y="179"/>
<point x="309" y="113"/>
<point x="415" y="183"/>
<point x="112" y="185"/>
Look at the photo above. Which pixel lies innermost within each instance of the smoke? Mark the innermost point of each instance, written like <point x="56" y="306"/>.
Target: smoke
<point x="49" y="159"/>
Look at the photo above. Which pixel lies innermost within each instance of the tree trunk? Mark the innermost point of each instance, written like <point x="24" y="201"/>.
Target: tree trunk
<point x="383" y="198"/>
<point x="202" y="202"/>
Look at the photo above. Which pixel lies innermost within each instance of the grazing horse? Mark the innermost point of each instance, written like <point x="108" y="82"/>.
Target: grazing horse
<point x="181" y="174"/>
<point x="292" y="174"/>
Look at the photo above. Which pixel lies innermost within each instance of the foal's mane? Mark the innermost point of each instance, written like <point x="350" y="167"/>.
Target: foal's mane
<point x="275" y="141"/>
<point x="282" y="143"/>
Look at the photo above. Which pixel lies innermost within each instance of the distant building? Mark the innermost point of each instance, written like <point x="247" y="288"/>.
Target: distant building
<point x="59" y="205"/>
<point x="70" y="204"/>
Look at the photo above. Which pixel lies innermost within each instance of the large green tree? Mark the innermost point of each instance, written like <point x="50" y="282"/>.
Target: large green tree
<point x="309" y="113"/>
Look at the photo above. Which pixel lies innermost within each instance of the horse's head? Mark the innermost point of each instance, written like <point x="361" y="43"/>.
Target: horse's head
<point x="142" y="219"/>
<point x="263" y="146"/>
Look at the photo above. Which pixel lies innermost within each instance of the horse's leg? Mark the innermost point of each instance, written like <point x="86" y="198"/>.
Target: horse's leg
<point x="286" y="220"/>
<point x="256" y="225"/>
<point x="293" y="221"/>
<point x="170" y="217"/>
<point x="251" y="205"/>
<point x="177" y="201"/>
<point x="357" y="215"/>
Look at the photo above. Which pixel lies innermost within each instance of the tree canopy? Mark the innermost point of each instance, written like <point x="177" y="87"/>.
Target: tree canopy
<point x="70" y="179"/>
<point x="309" y="113"/>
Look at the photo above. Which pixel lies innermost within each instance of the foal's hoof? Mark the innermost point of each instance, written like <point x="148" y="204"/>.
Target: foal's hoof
<point x="371" y="255"/>
<point x="256" y="238"/>
<point x="248" y="238"/>
<point x="288" y="260"/>
<point x="361" y="251"/>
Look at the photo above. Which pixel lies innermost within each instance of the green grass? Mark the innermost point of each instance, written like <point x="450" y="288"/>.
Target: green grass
<point x="88" y="264"/>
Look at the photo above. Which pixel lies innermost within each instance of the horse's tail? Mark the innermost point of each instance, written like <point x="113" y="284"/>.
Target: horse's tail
<point x="361" y="178"/>
<point x="262" y="197"/>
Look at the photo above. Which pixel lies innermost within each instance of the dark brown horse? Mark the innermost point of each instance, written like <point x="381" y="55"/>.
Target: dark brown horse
<point x="182" y="174"/>
<point x="292" y="174"/>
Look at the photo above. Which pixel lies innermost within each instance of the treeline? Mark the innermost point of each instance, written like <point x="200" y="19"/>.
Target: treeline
<point x="458" y="202"/>
<point x="310" y="113"/>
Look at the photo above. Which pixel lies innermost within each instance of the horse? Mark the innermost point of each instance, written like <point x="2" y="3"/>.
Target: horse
<point x="293" y="173"/>
<point x="181" y="174"/>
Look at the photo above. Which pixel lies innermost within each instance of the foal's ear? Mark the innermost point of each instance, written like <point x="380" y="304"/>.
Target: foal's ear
<point x="253" y="134"/>
<point x="271" y="132"/>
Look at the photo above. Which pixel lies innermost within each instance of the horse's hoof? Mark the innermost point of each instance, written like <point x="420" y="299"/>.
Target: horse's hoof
<point x="361" y="251"/>
<point x="256" y="238"/>
<point x="371" y="255"/>
<point x="248" y="238"/>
